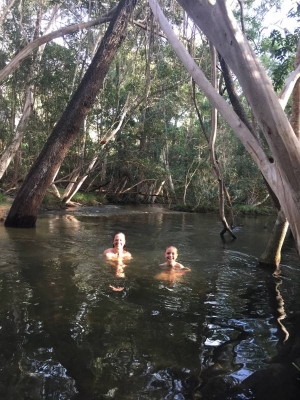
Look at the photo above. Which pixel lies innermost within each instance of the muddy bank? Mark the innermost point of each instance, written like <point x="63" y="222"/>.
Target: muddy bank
<point x="4" y="208"/>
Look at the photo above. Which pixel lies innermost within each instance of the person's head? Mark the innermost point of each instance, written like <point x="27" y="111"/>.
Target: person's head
<point x="171" y="253"/>
<point x="119" y="240"/>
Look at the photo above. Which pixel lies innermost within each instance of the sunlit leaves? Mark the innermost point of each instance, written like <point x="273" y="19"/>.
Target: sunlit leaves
<point x="283" y="49"/>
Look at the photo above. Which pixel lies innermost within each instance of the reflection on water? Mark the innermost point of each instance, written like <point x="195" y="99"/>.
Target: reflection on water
<point x="281" y="311"/>
<point x="64" y="334"/>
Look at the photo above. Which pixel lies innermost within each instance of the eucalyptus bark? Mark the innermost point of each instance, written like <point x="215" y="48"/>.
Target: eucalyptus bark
<point x="295" y="120"/>
<point x="282" y="170"/>
<point x="24" y="210"/>
<point x="272" y="254"/>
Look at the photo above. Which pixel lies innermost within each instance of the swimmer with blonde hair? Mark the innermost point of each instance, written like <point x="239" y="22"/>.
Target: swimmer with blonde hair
<point x="172" y="270"/>
<point x="171" y="254"/>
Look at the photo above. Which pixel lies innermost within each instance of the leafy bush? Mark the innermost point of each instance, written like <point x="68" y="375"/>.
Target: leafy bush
<point x="89" y="199"/>
<point x="253" y="210"/>
<point x="3" y="198"/>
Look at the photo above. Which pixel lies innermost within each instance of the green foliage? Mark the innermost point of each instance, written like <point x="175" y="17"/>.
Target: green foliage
<point x="51" y="202"/>
<point x="283" y="49"/>
<point x="3" y="198"/>
<point x="89" y="199"/>
<point x="253" y="210"/>
<point x="203" y="208"/>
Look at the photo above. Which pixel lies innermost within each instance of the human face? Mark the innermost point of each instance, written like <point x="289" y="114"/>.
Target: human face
<point x="119" y="241"/>
<point x="171" y="254"/>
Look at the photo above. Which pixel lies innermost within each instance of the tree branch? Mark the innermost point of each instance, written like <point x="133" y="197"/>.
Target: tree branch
<point x="15" y="62"/>
<point x="289" y="86"/>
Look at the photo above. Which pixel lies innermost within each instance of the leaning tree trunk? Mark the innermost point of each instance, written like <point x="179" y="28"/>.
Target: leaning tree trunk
<point x="272" y="253"/>
<point x="295" y="120"/>
<point x="24" y="210"/>
<point x="283" y="173"/>
<point x="282" y="170"/>
<point x="79" y="182"/>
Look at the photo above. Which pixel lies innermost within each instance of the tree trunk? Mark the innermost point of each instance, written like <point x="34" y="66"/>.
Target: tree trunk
<point x="167" y="168"/>
<point x="76" y="186"/>
<point x="24" y="210"/>
<point x="272" y="255"/>
<point x="188" y="179"/>
<point x="12" y="149"/>
<point x="295" y="120"/>
<point x="79" y="164"/>
<point x="212" y="140"/>
<point x="282" y="170"/>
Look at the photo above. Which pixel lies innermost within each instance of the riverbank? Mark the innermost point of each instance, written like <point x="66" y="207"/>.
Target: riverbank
<point x="4" y="209"/>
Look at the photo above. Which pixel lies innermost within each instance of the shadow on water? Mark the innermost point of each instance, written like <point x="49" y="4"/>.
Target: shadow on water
<point x="66" y="335"/>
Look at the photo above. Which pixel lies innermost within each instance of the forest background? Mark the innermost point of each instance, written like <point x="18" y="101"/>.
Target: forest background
<point x="146" y="138"/>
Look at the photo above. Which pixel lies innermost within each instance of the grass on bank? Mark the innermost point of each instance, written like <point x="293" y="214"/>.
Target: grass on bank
<point x="3" y="199"/>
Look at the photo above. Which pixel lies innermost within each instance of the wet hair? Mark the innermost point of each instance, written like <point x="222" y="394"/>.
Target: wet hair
<point x="120" y="233"/>
<point x="173" y="248"/>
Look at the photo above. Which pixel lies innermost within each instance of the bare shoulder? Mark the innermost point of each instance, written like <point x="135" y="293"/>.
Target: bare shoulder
<point x="108" y="253"/>
<point x="181" y="267"/>
<point x="127" y="255"/>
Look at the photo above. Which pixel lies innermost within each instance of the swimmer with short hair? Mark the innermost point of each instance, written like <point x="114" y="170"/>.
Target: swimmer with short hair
<point x="117" y="256"/>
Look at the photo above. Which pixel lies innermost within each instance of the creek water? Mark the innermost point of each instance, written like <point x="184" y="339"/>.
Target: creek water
<point x="64" y="334"/>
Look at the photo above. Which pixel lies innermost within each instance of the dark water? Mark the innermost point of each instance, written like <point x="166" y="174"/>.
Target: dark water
<point x="64" y="334"/>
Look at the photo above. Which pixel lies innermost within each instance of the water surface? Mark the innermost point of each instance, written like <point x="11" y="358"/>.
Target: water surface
<point x="66" y="335"/>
